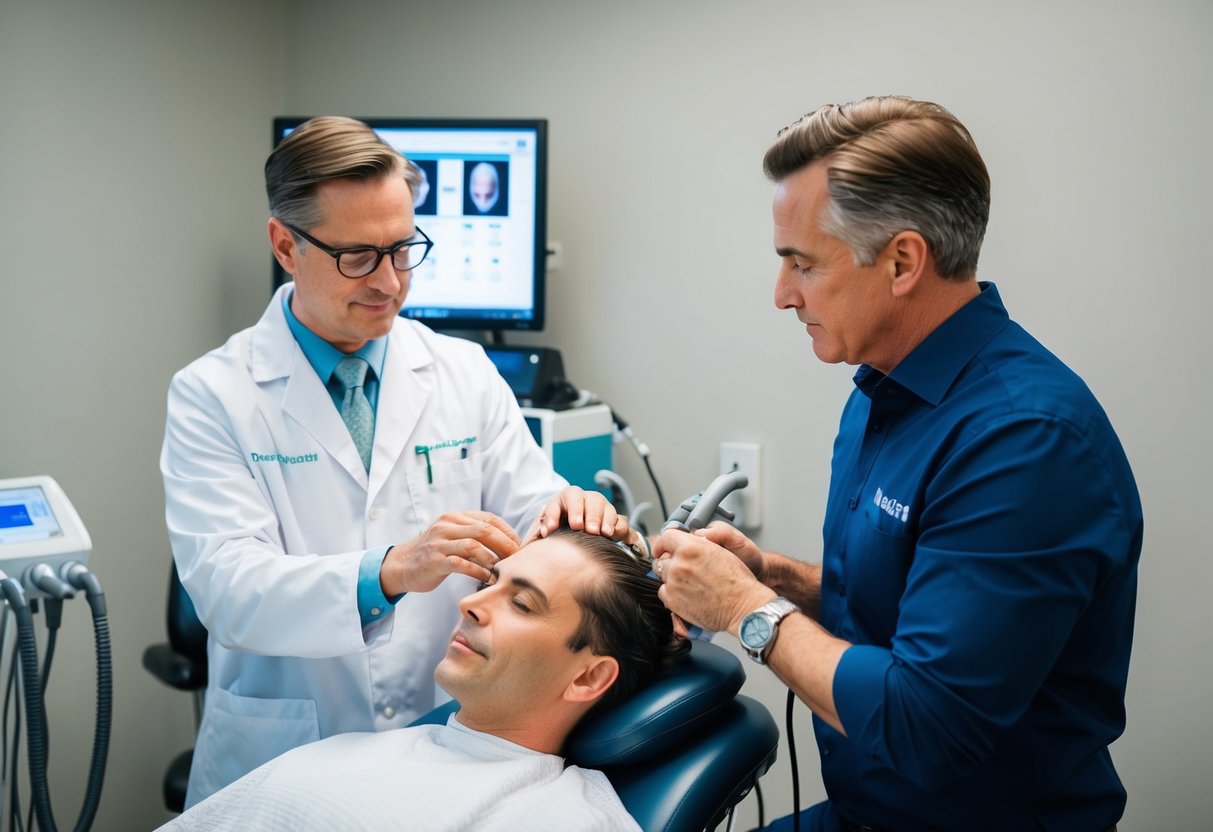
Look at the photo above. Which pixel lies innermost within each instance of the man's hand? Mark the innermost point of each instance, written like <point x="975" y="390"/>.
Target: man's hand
<point x="746" y="550"/>
<point x="704" y="583"/>
<point x="586" y="511"/>
<point x="464" y="542"/>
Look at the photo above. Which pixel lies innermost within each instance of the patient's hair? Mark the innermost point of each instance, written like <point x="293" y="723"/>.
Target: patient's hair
<point x="323" y="149"/>
<point x="622" y="617"/>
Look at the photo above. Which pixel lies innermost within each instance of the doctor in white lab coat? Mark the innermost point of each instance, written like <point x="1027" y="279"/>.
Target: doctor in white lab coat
<point x="272" y="516"/>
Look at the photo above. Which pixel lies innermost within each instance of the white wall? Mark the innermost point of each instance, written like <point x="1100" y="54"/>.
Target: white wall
<point x="1092" y="118"/>
<point x="132" y="136"/>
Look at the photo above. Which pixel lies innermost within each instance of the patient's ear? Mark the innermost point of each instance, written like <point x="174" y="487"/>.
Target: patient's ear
<point x="594" y="680"/>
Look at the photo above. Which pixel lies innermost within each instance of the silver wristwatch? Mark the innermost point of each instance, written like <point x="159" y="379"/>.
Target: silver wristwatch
<point x="758" y="629"/>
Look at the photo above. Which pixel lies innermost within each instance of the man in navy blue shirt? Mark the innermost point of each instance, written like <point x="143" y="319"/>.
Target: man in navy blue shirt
<point x="964" y="644"/>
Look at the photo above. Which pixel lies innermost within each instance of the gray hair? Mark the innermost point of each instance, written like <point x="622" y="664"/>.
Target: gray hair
<point x="893" y="164"/>
<point x="322" y="149"/>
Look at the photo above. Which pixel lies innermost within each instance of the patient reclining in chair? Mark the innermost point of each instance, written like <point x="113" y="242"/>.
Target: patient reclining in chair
<point x="570" y="622"/>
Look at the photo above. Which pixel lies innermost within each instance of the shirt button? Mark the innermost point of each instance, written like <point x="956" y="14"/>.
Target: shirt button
<point x="852" y="503"/>
<point x="376" y="513"/>
<point x="389" y="712"/>
<point x="842" y="589"/>
<point x="375" y="610"/>
<point x="877" y="428"/>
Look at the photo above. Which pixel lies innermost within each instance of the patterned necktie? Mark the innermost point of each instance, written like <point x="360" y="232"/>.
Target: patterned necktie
<point x="355" y="407"/>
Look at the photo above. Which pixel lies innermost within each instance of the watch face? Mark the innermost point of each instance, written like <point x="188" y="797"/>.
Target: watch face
<point x="755" y="630"/>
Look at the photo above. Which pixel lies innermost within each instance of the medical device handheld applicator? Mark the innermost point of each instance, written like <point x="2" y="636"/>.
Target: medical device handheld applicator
<point x="698" y="510"/>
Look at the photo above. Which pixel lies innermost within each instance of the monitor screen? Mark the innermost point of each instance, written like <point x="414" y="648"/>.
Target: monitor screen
<point x="25" y="515"/>
<point x="483" y="201"/>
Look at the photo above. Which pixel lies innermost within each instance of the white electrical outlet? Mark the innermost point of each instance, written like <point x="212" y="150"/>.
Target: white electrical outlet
<point x="745" y="457"/>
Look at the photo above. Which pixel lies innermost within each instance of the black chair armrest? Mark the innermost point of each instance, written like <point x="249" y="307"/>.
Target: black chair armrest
<point x="173" y="668"/>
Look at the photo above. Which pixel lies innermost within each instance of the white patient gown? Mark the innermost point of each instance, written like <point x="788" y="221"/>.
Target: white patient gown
<point x="422" y="779"/>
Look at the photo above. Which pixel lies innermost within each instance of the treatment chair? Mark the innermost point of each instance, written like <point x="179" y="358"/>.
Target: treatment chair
<point x="681" y="752"/>
<point x="181" y="664"/>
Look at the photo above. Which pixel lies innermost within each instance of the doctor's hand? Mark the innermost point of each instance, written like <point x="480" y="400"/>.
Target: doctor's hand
<point x="463" y="542"/>
<point x="586" y="511"/>
<point x="705" y="583"/>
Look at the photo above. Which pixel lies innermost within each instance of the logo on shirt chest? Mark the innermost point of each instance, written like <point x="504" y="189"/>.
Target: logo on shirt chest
<point x="891" y="507"/>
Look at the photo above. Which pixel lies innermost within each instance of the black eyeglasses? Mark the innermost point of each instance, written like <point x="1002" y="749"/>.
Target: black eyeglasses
<point x="359" y="261"/>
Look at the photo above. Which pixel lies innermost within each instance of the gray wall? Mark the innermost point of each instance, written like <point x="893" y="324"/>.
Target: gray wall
<point x="132" y="136"/>
<point x="148" y="122"/>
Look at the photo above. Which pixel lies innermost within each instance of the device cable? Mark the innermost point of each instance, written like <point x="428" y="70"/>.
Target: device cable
<point x="11" y="688"/>
<point x="35" y="718"/>
<point x="54" y="617"/>
<point x="643" y="451"/>
<point x="3" y="715"/>
<point x="78" y="576"/>
<point x="795" y="767"/>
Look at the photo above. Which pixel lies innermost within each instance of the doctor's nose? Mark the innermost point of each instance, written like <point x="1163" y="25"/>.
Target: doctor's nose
<point x="385" y="279"/>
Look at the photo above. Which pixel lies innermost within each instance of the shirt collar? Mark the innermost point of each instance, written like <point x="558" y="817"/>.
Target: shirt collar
<point x="322" y="355"/>
<point x="934" y="365"/>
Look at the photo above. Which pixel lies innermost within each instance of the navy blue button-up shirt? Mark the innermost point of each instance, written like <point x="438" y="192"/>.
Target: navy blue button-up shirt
<point x="981" y="544"/>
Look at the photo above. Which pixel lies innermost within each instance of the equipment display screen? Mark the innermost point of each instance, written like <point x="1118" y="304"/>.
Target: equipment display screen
<point x="26" y="515"/>
<point x="483" y="202"/>
<point x="518" y="369"/>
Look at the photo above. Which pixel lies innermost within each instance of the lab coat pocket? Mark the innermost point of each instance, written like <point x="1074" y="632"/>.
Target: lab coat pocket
<point x="242" y="732"/>
<point x="454" y="484"/>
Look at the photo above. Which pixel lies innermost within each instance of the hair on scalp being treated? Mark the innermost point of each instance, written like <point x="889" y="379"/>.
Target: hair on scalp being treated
<point x="621" y="615"/>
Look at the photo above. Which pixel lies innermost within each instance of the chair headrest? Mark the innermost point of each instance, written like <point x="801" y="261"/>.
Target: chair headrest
<point x="664" y="714"/>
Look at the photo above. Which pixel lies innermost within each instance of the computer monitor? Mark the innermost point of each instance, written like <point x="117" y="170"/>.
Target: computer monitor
<point x="483" y="202"/>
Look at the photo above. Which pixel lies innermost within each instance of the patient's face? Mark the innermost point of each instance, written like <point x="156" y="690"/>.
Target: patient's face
<point x="510" y="650"/>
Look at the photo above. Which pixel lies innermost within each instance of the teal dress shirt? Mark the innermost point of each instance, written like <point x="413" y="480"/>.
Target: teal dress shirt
<point x="323" y="356"/>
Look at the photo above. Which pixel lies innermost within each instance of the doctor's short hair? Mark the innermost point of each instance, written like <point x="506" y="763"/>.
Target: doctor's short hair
<point x="323" y="149"/>
<point x="893" y="164"/>
<point x="621" y="616"/>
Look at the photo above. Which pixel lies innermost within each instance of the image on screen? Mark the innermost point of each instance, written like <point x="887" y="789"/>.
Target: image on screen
<point x="483" y="201"/>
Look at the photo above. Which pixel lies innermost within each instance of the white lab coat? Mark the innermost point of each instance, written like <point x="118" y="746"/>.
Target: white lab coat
<point x="269" y="512"/>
